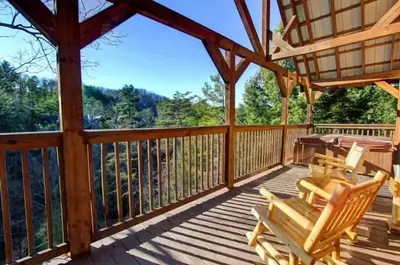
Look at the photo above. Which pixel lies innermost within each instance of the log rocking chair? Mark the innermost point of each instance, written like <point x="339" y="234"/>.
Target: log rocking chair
<point x="309" y="233"/>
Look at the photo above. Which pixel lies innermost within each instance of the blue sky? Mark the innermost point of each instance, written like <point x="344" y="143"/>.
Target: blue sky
<point x="161" y="59"/>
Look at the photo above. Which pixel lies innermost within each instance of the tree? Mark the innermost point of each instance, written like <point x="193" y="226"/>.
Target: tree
<point x="127" y="108"/>
<point x="177" y="112"/>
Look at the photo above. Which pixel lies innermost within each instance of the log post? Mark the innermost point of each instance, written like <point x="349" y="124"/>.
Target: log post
<point x="230" y="121"/>
<point x="284" y="122"/>
<point x="71" y="109"/>
<point x="309" y="118"/>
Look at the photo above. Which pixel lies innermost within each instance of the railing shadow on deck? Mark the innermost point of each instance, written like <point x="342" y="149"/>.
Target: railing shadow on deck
<point x="159" y="239"/>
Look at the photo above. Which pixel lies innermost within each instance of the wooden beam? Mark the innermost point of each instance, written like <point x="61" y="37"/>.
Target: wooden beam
<point x="362" y="10"/>
<point x="103" y="22"/>
<point x="286" y="32"/>
<point x="317" y="95"/>
<point x="311" y="36"/>
<point x="71" y="112"/>
<point x="388" y="88"/>
<point x="266" y="20"/>
<point x="373" y="77"/>
<point x="218" y="60"/>
<point x="230" y="116"/>
<point x="249" y="26"/>
<point x="277" y="39"/>
<point x="168" y="17"/>
<point x="390" y="16"/>
<point x="39" y="16"/>
<point x="334" y="31"/>
<point x="240" y="68"/>
<point x="373" y="33"/>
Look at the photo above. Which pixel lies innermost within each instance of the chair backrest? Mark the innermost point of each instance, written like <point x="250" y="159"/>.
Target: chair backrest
<point x="344" y="210"/>
<point x="355" y="158"/>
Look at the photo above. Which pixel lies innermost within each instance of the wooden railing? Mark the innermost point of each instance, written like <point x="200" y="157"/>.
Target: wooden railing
<point x="257" y="149"/>
<point x="134" y="175"/>
<point x="31" y="177"/>
<point x="382" y="130"/>
<point x="292" y="133"/>
<point x="138" y="174"/>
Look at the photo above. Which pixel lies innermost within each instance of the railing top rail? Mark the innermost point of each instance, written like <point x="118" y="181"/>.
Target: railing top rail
<point x="292" y="126"/>
<point x="247" y="128"/>
<point x="29" y="140"/>
<point x="356" y="126"/>
<point x="111" y="136"/>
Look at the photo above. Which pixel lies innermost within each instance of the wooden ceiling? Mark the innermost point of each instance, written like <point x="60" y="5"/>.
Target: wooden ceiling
<point x="341" y="43"/>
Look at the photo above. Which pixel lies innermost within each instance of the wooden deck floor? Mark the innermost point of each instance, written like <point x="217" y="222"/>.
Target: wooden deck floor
<point x="212" y="231"/>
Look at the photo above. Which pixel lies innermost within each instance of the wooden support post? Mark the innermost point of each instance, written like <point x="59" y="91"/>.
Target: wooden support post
<point x="284" y="122"/>
<point x="70" y="100"/>
<point x="394" y="220"/>
<point x="309" y="118"/>
<point x="230" y="121"/>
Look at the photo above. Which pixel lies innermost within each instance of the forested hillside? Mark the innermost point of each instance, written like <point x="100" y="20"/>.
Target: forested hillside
<point x="29" y="103"/>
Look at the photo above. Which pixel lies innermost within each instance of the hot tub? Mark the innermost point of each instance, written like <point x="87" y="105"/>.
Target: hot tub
<point x="379" y="158"/>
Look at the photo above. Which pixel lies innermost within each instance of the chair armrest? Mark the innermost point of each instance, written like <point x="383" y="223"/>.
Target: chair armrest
<point x="338" y="165"/>
<point x="325" y="157"/>
<point x="313" y="188"/>
<point x="296" y="216"/>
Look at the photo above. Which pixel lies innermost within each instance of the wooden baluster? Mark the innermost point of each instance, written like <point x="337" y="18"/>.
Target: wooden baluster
<point x="183" y="167"/>
<point x="150" y="173"/>
<point x="140" y="174"/>
<point x="223" y="167"/>
<point x="27" y="202"/>
<point x="92" y="191"/>
<point x="47" y="197"/>
<point x="159" y="173"/>
<point x="167" y="164"/>
<point x="62" y="193"/>
<point x="202" y="162"/>
<point x="218" y="159"/>
<point x="130" y="175"/>
<point x="247" y="160"/>
<point x="196" y="168"/>
<point x="208" y="161"/>
<point x="212" y="161"/>
<point x="104" y="184"/>
<point x="190" y="166"/>
<point x="118" y="182"/>
<point x="5" y="209"/>
<point x="175" y="150"/>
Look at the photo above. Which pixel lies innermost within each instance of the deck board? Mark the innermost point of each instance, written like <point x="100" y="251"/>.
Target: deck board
<point x="212" y="230"/>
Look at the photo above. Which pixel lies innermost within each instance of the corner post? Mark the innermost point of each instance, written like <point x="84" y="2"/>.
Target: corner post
<point x="230" y="121"/>
<point x="71" y="112"/>
<point x="309" y="118"/>
<point x="284" y="122"/>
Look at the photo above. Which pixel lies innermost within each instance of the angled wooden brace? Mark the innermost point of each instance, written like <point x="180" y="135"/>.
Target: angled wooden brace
<point x="218" y="59"/>
<point x="388" y="88"/>
<point x="105" y="21"/>
<point x="241" y="67"/>
<point x="390" y="16"/>
<point x="39" y="16"/>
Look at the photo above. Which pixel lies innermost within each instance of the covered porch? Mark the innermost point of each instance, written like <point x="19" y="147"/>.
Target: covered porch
<point x="193" y="188"/>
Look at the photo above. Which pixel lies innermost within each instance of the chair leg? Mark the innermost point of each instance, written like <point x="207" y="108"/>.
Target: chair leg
<point x="311" y="198"/>
<point x="303" y="196"/>
<point x="293" y="259"/>
<point x="258" y="230"/>
<point x="336" y="253"/>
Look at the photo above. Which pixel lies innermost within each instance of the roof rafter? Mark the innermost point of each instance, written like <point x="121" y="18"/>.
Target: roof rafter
<point x="334" y="31"/>
<point x="266" y="16"/>
<point x="39" y="16"/>
<point x="249" y="26"/>
<point x="105" y="21"/>
<point x="373" y="33"/>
